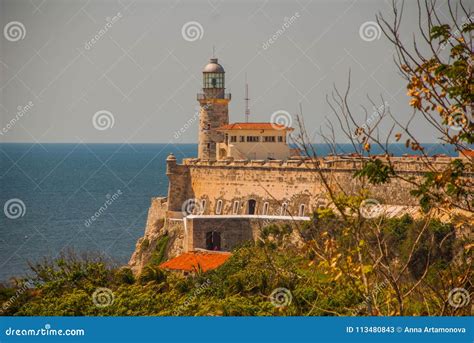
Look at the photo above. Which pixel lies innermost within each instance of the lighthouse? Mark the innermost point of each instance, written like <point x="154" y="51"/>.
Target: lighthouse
<point x="214" y="109"/>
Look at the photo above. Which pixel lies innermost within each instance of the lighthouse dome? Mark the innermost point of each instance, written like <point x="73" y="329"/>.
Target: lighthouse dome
<point x="213" y="67"/>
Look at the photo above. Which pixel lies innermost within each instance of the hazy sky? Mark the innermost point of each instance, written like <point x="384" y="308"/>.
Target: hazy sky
<point x="145" y="69"/>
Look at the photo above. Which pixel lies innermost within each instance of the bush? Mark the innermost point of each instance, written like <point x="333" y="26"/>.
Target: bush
<point x="125" y="275"/>
<point x="158" y="255"/>
<point x="243" y="285"/>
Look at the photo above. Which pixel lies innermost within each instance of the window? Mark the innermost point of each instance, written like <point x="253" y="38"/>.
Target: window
<point x="252" y="206"/>
<point x="213" y="80"/>
<point x="301" y="211"/>
<point x="208" y="146"/>
<point x="265" y="209"/>
<point x="213" y="240"/>
<point x="208" y="126"/>
<point x="284" y="209"/>
<point x="203" y="206"/>
<point x="241" y="139"/>
<point x="280" y="139"/>
<point x="253" y="138"/>
<point x="219" y="207"/>
<point x="233" y="139"/>
<point x="269" y="139"/>
<point x="235" y="209"/>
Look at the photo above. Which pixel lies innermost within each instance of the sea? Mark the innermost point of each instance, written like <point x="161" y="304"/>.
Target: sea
<point x="52" y="195"/>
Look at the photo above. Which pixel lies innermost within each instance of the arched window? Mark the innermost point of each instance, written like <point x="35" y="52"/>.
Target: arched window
<point x="265" y="208"/>
<point x="203" y="206"/>
<point x="284" y="209"/>
<point x="301" y="211"/>
<point x="235" y="208"/>
<point x="252" y="206"/>
<point x="219" y="207"/>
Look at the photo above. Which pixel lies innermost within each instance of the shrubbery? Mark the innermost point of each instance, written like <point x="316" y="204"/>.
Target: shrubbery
<point x="243" y="285"/>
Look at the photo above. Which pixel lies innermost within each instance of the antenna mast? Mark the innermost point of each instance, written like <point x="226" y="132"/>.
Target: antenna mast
<point x="247" y="109"/>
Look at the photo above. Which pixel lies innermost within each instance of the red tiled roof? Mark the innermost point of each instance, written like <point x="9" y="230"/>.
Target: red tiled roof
<point x="195" y="260"/>
<point x="255" y="126"/>
<point x="467" y="152"/>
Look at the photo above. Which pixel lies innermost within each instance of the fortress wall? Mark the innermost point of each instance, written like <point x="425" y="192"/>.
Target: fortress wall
<point x="274" y="182"/>
<point x="179" y="187"/>
<point x="401" y="164"/>
<point x="297" y="182"/>
<point x="396" y="192"/>
<point x="233" y="230"/>
<point x="295" y="186"/>
<point x="243" y="183"/>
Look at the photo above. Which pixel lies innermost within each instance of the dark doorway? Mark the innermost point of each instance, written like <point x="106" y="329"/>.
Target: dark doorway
<point x="213" y="240"/>
<point x="252" y="205"/>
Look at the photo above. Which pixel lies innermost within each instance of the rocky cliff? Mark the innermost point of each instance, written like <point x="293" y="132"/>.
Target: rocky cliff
<point x="162" y="240"/>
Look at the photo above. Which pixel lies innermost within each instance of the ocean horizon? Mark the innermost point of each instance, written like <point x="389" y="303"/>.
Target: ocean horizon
<point x="63" y="185"/>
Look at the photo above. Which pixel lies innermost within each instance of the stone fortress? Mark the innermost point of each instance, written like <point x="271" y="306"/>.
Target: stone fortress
<point x="245" y="177"/>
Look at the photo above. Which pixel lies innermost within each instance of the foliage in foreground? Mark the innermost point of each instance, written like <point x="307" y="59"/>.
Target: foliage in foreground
<point x="316" y="286"/>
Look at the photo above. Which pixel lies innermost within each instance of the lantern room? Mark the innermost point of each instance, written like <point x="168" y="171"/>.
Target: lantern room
<point x="213" y="75"/>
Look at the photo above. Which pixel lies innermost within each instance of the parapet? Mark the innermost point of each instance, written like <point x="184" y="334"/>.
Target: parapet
<point x="409" y="163"/>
